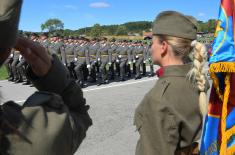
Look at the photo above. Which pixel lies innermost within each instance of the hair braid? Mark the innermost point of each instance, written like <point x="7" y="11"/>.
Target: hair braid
<point x="197" y="73"/>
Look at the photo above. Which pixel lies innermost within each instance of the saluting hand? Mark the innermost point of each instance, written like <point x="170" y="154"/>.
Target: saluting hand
<point x="36" y="56"/>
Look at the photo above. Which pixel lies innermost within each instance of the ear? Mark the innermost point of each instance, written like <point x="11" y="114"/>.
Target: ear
<point x="164" y="48"/>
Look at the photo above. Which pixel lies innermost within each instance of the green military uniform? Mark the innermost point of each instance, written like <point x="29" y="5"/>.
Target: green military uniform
<point x="46" y="44"/>
<point x="58" y="49"/>
<point x="7" y="64"/>
<point x="168" y="119"/>
<point x="123" y="57"/>
<point x="20" y="67"/>
<point x="16" y="60"/>
<point x="70" y="57"/>
<point x="139" y="57"/>
<point x="104" y="55"/>
<point x="93" y="60"/>
<point x="113" y="61"/>
<point x="149" y="59"/>
<point x="82" y="59"/>
<point x="54" y="120"/>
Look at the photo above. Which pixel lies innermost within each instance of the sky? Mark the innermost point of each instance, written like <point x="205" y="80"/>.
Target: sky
<point x="77" y="14"/>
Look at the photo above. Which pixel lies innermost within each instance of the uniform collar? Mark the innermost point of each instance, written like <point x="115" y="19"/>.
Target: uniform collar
<point x="174" y="70"/>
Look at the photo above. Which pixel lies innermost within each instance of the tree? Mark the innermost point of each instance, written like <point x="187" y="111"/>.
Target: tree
<point x="211" y="25"/>
<point x="96" y="31"/>
<point x="121" y="30"/>
<point x="52" y="25"/>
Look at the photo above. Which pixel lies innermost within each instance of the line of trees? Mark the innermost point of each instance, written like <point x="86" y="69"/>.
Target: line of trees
<point x="98" y="30"/>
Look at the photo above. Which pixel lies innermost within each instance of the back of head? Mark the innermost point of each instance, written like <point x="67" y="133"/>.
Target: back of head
<point x="180" y="32"/>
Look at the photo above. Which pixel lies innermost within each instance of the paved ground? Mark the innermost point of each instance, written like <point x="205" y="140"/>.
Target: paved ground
<point x="112" y="110"/>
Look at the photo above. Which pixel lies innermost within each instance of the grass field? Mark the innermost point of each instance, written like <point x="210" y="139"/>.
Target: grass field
<point x="3" y="73"/>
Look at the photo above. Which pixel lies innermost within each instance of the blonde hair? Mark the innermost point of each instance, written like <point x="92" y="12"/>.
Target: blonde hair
<point x="197" y="73"/>
<point x="182" y="48"/>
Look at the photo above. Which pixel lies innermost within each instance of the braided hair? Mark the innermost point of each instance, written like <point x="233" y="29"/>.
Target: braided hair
<point x="197" y="73"/>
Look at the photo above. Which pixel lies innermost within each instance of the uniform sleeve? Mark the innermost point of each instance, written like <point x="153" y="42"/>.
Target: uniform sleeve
<point x="58" y="81"/>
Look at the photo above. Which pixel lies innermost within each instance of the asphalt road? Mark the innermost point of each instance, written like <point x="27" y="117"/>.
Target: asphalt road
<point x="112" y="110"/>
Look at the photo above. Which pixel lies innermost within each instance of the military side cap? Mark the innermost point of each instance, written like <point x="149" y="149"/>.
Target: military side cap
<point x="9" y="21"/>
<point x="44" y="34"/>
<point x="175" y="24"/>
<point x="55" y="35"/>
<point x="34" y="34"/>
<point x="66" y="38"/>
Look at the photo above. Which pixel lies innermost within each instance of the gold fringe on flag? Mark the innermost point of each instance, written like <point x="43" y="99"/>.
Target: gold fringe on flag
<point x="228" y="67"/>
<point x="223" y="147"/>
<point x="224" y="67"/>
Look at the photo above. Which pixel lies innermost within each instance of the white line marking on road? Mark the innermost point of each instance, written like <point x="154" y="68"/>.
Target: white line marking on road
<point x="119" y="85"/>
<point x="106" y="87"/>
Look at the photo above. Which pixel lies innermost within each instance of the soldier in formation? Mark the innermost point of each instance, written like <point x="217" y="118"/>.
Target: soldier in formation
<point x="88" y="61"/>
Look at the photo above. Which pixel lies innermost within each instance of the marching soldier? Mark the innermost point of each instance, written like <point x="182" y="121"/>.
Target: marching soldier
<point x="57" y="47"/>
<point x="21" y="67"/>
<point x="34" y="37"/>
<point x="16" y="60"/>
<point x="130" y="59"/>
<point x="93" y="60"/>
<point x="70" y="57"/>
<point x="149" y="59"/>
<point x="81" y="59"/>
<point x="43" y="40"/>
<point x="7" y="64"/>
<point x="104" y="55"/>
<point x="113" y="57"/>
<point x="122" y="59"/>
<point x="139" y="56"/>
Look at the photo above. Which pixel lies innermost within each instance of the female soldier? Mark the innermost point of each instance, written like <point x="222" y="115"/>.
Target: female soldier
<point x="52" y="121"/>
<point x="169" y="119"/>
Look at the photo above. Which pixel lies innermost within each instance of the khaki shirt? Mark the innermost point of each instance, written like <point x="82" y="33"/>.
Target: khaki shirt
<point x="169" y="119"/>
<point x="52" y="121"/>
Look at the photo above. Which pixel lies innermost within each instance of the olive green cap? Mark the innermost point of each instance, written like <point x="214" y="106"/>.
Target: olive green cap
<point x="175" y="24"/>
<point x="9" y="21"/>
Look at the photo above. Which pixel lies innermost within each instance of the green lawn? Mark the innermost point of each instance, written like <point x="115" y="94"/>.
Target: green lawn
<point x="3" y="73"/>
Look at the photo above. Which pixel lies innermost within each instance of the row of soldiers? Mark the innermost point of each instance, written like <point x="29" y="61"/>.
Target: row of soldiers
<point x="89" y="60"/>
